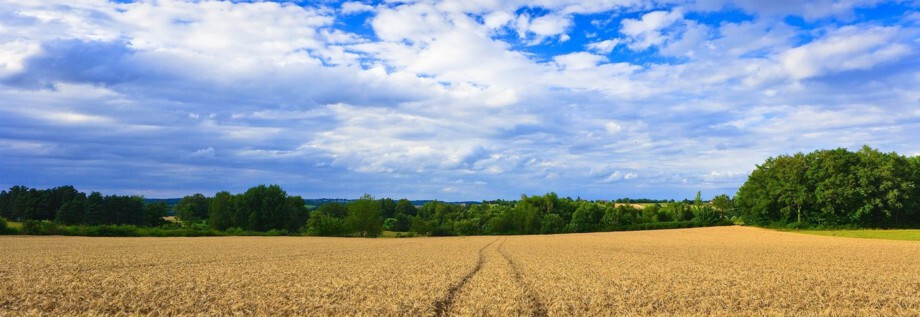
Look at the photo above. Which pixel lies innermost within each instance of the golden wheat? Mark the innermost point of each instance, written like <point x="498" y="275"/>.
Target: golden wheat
<point x="706" y="271"/>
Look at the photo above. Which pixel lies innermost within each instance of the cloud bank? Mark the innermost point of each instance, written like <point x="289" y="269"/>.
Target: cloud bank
<point x="446" y="99"/>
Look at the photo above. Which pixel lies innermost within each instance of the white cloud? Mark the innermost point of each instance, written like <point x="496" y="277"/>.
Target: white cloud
<point x="579" y="60"/>
<point x="549" y="25"/>
<point x="352" y="7"/>
<point x="847" y="48"/>
<point x="203" y="153"/>
<point x="618" y="176"/>
<point x="647" y="31"/>
<point x="476" y="96"/>
<point x="543" y="27"/>
<point x="605" y="46"/>
<point x="12" y="55"/>
<point x="613" y="127"/>
<point x="498" y="19"/>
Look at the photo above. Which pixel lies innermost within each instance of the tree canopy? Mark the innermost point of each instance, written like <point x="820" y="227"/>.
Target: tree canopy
<point x="866" y="188"/>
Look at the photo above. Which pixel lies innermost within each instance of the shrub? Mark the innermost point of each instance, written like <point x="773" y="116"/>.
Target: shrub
<point x="37" y="227"/>
<point x="235" y="231"/>
<point x="406" y="235"/>
<point x="276" y="232"/>
<point x="4" y="228"/>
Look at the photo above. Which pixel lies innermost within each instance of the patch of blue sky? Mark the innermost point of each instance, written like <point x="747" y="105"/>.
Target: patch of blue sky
<point x="585" y="29"/>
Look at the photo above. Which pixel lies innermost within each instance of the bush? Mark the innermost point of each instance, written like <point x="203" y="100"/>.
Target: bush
<point x="107" y="231"/>
<point x="235" y="231"/>
<point x="276" y="233"/>
<point x="323" y="225"/>
<point x="37" y="227"/>
<point x="707" y="216"/>
<point x="406" y="235"/>
<point x="4" y="228"/>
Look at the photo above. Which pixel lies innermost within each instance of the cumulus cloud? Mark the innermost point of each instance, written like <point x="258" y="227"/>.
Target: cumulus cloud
<point x="443" y="99"/>
<point x="579" y="60"/>
<point x="647" y="31"/>
<point x="605" y="46"/>
<point x="352" y="7"/>
<point x="847" y="48"/>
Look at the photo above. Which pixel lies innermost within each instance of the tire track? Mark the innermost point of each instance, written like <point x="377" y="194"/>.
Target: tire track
<point x="442" y="306"/>
<point x="539" y="309"/>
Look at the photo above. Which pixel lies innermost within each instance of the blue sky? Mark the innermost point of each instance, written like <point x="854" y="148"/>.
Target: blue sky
<point x="451" y="100"/>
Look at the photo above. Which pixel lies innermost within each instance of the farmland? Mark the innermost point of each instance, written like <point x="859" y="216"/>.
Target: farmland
<point x="890" y="234"/>
<point x="703" y="271"/>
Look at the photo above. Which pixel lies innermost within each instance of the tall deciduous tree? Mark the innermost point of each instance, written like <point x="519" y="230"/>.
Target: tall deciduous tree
<point x="364" y="217"/>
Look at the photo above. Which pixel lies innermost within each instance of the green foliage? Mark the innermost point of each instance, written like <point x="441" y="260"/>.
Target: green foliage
<point x="193" y="208"/>
<point x="72" y="212"/>
<point x="724" y="205"/>
<point x="333" y="210"/>
<point x="586" y="218"/>
<point x="154" y="213"/>
<point x="268" y="210"/>
<point x="40" y="227"/>
<point x="387" y="208"/>
<point x="5" y="228"/>
<point x="265" y="208"/>
<point x="707" y="216"/>
<point x="389" y="223"/>
<point x="891" y="234"/>
<point x="365" y="218"/>
<point x="833" y="188"/>
<point x="221" y="211"/>
<point x="403" y="206"/>
<point x="552" y="223"/>
<point x="321" y="224"/>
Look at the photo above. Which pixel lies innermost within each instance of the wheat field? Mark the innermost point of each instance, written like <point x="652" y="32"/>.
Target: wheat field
<point x="704" y="271"/>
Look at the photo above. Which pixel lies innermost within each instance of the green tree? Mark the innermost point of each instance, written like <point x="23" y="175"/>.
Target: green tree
<point x="266" y="207"/>
<point x="405" y="207"/>
<point x="296" y="213"/>
<point x="335" y="210"/>
<point x="552" y="223"/>
<point x="793" y="190"/>
<point x="192" y="208"/>
<point x="586" y="218"/>
<point x="723" y="204"/>
<point x="387" y="207"/>
<point x="364" y="217"/>
<point x="95" y="210"/>
<point x="835" y="187"/>
<point x="321" y="224"/>
<point x="527" y="218"/>
<point x="73" y="212"/>
<point x="154" y="213"/>
<point x="221" y="211"/>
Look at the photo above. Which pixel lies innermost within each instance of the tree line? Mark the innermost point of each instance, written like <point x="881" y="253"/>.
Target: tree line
<point x="66" y="205"/>
<point x="542" y="214"/>
<point x="824" y="188"/>
<point x="270" y="209"/>
<point x="833" y="188"/>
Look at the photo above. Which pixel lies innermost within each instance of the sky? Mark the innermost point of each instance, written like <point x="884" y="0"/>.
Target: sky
<point x="449" y="100"/>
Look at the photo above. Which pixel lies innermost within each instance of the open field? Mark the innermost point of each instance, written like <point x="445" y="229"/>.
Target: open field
<point x="892" y="234"/>
<point x="14" y="224"/>
<point x="703" y="271"/>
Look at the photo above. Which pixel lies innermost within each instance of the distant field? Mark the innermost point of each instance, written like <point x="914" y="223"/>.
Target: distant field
<point x="726" y="271"/>
<point x="13" y="224"/>
<point x="895" y="234"/>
